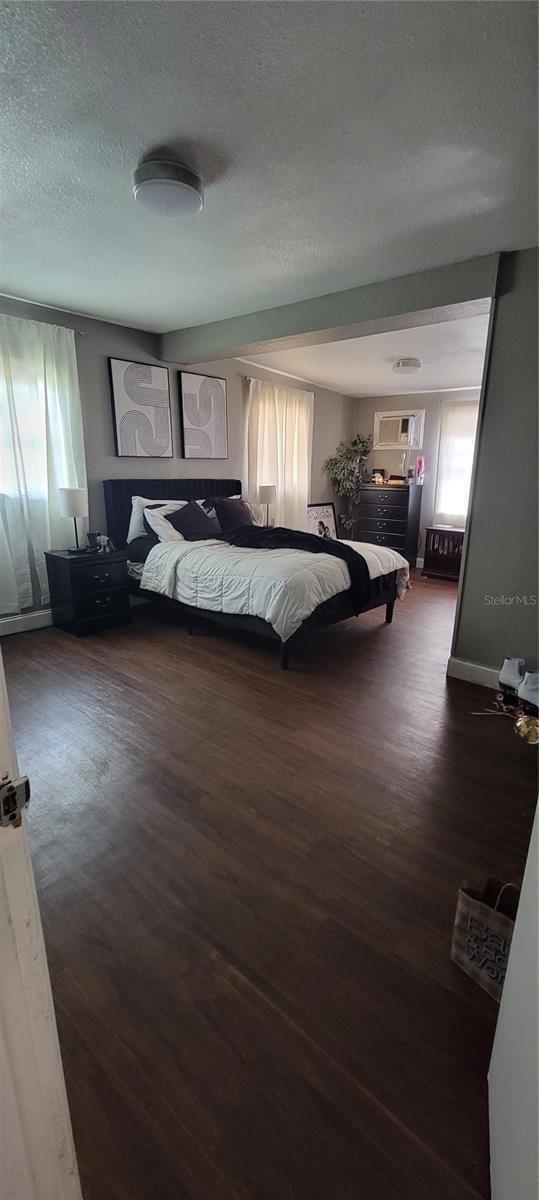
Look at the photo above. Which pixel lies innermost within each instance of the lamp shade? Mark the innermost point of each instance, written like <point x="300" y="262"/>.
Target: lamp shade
<point x="267" y="493"/>
<point x="73" y="502"/>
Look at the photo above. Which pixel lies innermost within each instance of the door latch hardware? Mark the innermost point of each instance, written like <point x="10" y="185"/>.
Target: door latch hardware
<point x="14" y="796"/>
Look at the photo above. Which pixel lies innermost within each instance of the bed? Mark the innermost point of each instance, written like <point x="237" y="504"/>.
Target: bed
<point x="383" y="589"/>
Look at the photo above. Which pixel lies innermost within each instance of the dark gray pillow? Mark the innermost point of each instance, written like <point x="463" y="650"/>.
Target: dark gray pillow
<point x="232" y="513"/>
<point x="139" y="549"/>
<point x="193" y="523"/>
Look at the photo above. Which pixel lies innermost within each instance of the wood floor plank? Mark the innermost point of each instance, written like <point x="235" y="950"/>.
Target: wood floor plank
<point x="248" y="880"/>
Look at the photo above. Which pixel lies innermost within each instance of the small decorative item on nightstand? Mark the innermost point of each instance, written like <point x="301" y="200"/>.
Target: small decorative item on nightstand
<point x="89" y="592"/>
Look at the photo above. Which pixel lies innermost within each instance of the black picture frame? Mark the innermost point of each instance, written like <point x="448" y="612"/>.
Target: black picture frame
<point x="125" y="433"/>
<point x="326" y="507"/>
<point x="218" y="447"/>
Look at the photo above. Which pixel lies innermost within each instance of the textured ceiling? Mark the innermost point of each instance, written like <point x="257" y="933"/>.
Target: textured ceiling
<point x="338" y="143"/>
<point x="451" y="354"/>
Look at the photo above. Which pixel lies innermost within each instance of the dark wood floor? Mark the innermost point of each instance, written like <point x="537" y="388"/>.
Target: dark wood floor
<point x="248" y="881"/>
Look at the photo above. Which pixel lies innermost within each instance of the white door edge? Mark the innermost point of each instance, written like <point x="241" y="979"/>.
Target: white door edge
<point x="37" y="1154"/>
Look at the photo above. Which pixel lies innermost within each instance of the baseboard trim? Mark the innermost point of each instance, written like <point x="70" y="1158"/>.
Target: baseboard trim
<point x="459" y="668"/>
<point x="22" y="622"/>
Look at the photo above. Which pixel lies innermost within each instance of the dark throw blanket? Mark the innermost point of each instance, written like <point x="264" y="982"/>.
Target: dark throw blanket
<point x="263" y="537"/>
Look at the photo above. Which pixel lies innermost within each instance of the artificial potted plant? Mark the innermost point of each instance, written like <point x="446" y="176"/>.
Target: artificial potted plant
<point x="344" y="468"/>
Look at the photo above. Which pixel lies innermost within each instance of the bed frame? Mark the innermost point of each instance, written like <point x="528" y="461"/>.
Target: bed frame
<point x="118" y="493"/>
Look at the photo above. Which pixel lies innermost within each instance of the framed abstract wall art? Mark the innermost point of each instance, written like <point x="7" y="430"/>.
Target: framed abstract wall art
<point x="141" y="409"/>
<point x="203" y="416"/>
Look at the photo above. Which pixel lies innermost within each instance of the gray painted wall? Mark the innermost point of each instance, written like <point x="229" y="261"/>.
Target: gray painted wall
<point x="96" y="341"/>
<point x="376" y="306"/>
<point x="502" y="541"/>
<point x="365" y="408"/>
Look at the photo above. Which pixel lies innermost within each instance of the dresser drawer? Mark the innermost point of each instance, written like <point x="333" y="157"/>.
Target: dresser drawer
<point x="101" y="604"/>
<point x="385" y="524"/>
<point x="396" y="540"/>
<point x="394" y="496"/>
<point x="96" y="577"/>
<point x="382" y="506"/>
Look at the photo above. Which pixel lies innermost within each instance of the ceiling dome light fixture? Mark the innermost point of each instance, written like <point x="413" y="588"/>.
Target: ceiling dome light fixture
<point x="168" y="187"/>
<point x="406" y="366"/>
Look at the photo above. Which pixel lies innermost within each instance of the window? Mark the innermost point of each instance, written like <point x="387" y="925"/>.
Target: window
<point x="41" y="450"/>
<point x="278" y="444"/>
<point x="455" y="461"/>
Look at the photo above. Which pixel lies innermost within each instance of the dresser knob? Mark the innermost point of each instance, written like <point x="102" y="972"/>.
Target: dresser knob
<point x="105" y="575"/>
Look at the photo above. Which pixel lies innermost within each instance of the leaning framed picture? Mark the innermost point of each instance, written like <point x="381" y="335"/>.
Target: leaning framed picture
<point x="321" y="520"/>
<point x="203" y="416"/>
<point x="140" y="409"/>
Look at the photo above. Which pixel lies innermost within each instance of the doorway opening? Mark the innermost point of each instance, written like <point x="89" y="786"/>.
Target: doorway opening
<point x="415" y="393"/>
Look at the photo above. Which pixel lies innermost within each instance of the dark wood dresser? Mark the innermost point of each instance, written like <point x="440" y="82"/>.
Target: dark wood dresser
<point x="389" y="516"/>
<point x="89" y="592"/>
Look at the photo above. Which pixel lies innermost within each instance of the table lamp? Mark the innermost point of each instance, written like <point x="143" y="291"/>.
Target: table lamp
<point x="267" y="494"/>
<point x="74" y="503"/>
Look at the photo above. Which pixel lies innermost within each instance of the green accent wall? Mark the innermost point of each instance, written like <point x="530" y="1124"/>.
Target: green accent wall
<point x="497" y="617"/>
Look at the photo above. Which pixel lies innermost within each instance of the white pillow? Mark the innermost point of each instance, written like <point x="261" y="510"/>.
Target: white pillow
<point x="136" y="522"/>
<point x="257" y="512"/>
<point x="156" y="518"/>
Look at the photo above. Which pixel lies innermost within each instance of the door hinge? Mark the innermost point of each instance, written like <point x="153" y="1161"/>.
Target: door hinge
<point x="14" y="796"/>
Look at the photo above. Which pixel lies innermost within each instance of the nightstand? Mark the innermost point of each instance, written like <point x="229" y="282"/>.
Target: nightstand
<point x="89" y="592"/>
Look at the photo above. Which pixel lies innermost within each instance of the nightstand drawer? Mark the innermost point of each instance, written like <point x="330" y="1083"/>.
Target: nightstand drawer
<point x="101" y="604"/>
<point x="396" y="540"/>
<point x="94" y="577"/>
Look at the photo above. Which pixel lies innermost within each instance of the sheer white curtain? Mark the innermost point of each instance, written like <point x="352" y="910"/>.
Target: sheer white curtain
<point x="41" y="450"/>
<point x="278" y="446"/>
<point x="455" y="461"/>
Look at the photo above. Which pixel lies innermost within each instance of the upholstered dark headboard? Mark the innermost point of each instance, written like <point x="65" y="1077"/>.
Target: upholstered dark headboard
<point x="118" y="493"/>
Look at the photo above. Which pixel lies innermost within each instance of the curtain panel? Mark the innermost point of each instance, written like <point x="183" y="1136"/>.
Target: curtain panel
<point x="41" y="450"/>
<point x="455" y="462"/>
<point x="278" y="448"/>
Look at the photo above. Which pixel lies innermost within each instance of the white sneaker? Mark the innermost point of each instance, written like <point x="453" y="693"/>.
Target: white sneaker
<point x="512" y="673"/>
<point x="529" y="688"/>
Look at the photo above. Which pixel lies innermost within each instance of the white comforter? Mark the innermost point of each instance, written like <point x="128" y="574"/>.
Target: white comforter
<point x="282" y="587"/>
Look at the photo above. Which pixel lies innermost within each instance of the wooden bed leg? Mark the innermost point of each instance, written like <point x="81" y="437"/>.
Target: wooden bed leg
<point x="284" y="656"/>
<point x="389" y="612"/>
